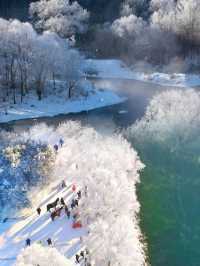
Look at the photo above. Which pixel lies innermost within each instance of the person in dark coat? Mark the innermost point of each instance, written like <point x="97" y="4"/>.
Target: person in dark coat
<point x="79" y="194"/>
<point x="82" y="254"/>
<point x="73" y="203"/>
<point x="76" y="202"/>
<point x="68" y="214"/>
<point x="49" y="242"/>
<point x="28" y="242"/>
<point x="86" y="251"/>
<point x="38" y="211"/>
<point x="74" y="216"/>
<point x="61" y="141"/>
<point x="62" y="202"/>
<point x="86" y="191"/>
<point x="66" y="209"/>
<point x="77" y="258"/>
<point x="56" y="147"/>
<point x="63" y="184"/>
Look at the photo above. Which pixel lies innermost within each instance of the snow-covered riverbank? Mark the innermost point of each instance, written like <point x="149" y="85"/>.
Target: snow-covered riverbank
<point x="118" y="70"/>
<point x="54" y="105"/>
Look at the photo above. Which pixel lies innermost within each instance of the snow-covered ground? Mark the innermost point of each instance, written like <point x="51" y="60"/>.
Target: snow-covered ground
<point x="175" y="79"/>
<point x="55" y="105"/>
<point x="117" y="69"/>
<point x="107" y="68"/>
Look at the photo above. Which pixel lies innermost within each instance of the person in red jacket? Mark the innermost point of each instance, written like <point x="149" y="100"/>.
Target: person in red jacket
<point x="73" y="187"/>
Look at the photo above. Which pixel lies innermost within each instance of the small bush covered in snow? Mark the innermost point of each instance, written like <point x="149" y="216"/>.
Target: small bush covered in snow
<point x="37" y="255"/>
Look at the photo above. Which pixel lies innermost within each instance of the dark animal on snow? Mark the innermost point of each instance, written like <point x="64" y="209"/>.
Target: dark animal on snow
<point x="52" y="205"/>
<point x="56" y="213"/>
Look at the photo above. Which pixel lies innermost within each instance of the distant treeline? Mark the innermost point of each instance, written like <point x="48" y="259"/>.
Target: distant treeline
<point x="101" y="10"/>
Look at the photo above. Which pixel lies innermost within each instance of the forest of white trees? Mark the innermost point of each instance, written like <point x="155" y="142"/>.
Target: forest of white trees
<point x="35" y="53"/>
<point x="31" y="57"/>
<point x="155" y="31"/>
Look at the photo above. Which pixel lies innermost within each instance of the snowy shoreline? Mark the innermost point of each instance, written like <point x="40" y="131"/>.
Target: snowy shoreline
<point x="116" y="69"/>
<point x="49" y="107"/>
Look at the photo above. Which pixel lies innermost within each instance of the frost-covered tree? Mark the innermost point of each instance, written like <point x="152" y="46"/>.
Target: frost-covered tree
<point x="43" y="256"/>
<point x="163" y="15"/>
<point x="111" y="243"/>
<point x="72" y="71"/>
<point x="137" y="7"/>
<point x="24" y="164"/>
<point x="181" y="17"/>
<point x="171" y="118"/>
<point x="187" y="24"/>
<point x="22" y="34"/>
<point x="128" y="27"/>
<point x="64" y="17"/>
<point x="29" y="60"/>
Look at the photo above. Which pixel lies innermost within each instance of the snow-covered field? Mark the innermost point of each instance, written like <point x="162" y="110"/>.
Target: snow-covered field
<point x="55" y="105"/>
<point x="117" y="69"/>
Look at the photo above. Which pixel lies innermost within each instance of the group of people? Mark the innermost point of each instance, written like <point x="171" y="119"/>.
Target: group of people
<point x="61" y="203"/>
<point x="70" y="210"/>
<point x="56" y="146"/>
<point x="84" y="255"/>
<point x="28" y="242"/>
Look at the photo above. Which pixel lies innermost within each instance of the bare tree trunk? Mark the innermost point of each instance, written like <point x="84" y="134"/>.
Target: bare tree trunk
<point x="22" y="93"/>
<point x="39" y="90"/>
<point x="12" y="79"/>
<point x="71" y="86"/>
<point x="69" y="92"/>
<point x="7" y="82"/>
<point x="25" y="82"/>
<point x="54" y="82"/>
<point x="14" y="95"/>
<point x="22" y="87"/>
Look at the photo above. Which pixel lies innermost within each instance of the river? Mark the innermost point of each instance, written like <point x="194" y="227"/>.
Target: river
<point x="169" y="187"/>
